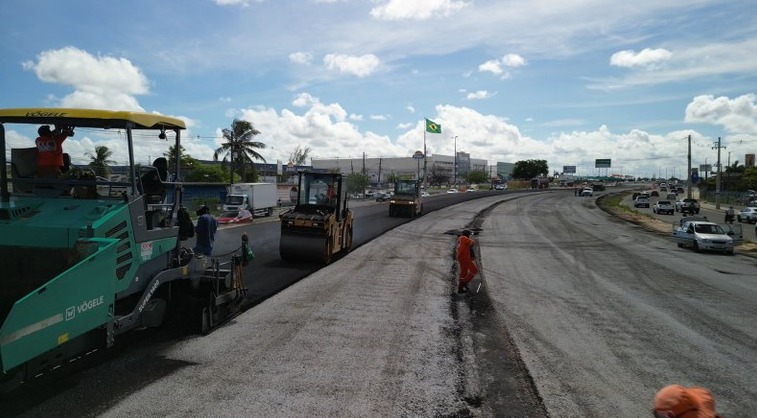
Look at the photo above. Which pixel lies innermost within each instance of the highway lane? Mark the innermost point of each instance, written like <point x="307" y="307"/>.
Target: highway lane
<point x="268" y="274"/>
<point x="605" y="313"/>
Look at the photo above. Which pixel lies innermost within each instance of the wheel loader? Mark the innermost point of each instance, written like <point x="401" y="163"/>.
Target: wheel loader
<point x="407" y="200"/>
<point x="85" y="261"/>
<point x="319" y="226"/>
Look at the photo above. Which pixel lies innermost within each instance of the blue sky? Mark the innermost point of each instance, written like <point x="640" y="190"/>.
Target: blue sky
<point x="568" y="81"/>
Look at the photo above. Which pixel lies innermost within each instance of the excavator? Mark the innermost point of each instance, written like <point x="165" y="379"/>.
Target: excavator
<point x="86" y="260"/>
<point x="319" y="226"/>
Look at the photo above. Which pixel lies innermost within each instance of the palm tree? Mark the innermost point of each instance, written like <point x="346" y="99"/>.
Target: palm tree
<point x="240" y="146"/>
<point x="101" y="161"/>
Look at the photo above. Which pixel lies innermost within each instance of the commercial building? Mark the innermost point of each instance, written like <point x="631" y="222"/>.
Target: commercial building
<point x="441" y="168"/>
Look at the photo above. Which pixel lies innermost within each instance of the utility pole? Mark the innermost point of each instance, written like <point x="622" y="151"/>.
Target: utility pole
<point x="718" y="178"/>
<point x="688" y="177"/>
<point x="454" y="164"/>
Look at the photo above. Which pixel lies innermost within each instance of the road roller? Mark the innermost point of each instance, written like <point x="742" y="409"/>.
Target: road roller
<point x="319" y="226"/>
<point x="407" y="200"/>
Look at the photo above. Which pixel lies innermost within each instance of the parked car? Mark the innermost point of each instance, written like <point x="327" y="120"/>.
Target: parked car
<point x="687" y="205"/>
<point x="703" y="235"/>
<point x="663" y="206"/>
<point x="382" y="197"/>
<point x="654" y="193"/>
<point x="500" y="187"/>
<point x="641" y="202"/>
<point x="747" y="214"/>
<point x="235" y="216"/>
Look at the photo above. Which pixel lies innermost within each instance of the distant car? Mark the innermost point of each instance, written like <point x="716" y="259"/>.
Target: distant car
<point x="654" y="193"/>
<point x="671" y="196"/>
<point x="382" y="197"/>
<point x="425" y="194"/>
<point x="747" y="214"/>
<point x="452" y="191"/>
<point x="663" y="206"/>
<point x="663" y="189"/>
<point x="641" y="202"/>
<point x="500" y="187"/>
<point x="690" y="206"/>
<point x="587" y="191"/>
<point x="235" y="216"/>
<point x="471" y="190"/>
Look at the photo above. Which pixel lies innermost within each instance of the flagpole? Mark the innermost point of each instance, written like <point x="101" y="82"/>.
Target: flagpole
<point x="425" y="176"/>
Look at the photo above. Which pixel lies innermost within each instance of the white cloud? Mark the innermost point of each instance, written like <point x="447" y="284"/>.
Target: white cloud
<point x="645" y="58"/>
<point x="379" y="117"/>
<point x="361" y="66"/>
<point x="301" y="57"/>
<point x="99" y="82"/>
<point x="498" y="66"/>
<point x="479" y="95"/>
<point x="416" y="9"/>
<point x="242" y="3"/>
<point x="737" y="115"/>
<point x="410" y="108"/>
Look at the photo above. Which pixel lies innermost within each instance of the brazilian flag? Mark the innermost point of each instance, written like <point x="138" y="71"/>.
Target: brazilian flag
<point x="433" y="127"/>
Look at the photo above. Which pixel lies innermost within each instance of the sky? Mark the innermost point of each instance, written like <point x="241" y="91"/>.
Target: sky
<point x="566" y="81"/>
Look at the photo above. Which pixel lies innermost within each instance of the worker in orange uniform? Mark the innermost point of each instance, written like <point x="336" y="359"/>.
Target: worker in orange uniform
<point x="466" y="259"/>
<point x="676" y="401"/>
<point x="50" y="150"/>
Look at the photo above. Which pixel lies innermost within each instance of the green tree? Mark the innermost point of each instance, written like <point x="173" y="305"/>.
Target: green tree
<point x="357" y="183"/>
<point x="185" y="160"/>
<point x="300" y="155"/>
<point x="100" y="161"/>
<point x="240" y="147"/>
<point x="477" y="176"/>
<point x="206" y="173"/>
<point x="528" y="169"/>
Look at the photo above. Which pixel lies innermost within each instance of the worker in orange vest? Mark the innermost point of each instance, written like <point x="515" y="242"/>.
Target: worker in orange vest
<point x="466" y="259"/>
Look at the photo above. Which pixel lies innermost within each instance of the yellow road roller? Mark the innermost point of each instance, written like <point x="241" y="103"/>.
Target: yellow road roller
<point x="319" y="226"/>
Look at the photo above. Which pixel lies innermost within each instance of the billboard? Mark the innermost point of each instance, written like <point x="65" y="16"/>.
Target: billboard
<point x="602" y="163"/>
<point x="569" y="169"/>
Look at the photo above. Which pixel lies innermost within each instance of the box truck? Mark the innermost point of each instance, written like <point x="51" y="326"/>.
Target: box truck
<point x="258" y="198"/>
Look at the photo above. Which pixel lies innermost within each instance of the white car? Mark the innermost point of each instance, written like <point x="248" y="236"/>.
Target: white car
<point x="641" y="201"/>
<point x="704" y="235"/>
<point x="587" y="191"/>
<point x="663" y="206"/>
<point x="747" y="214"/>
<point x="452" y="191"/>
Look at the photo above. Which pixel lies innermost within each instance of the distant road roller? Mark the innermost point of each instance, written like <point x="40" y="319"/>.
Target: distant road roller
<point x="320" y="224"/>
<point x="407" y="200"/>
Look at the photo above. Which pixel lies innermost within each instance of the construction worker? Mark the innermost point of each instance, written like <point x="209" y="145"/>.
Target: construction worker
<point x="50" y="150"/>
<point x="676" y="401"/>
<point x="466" y="259"/>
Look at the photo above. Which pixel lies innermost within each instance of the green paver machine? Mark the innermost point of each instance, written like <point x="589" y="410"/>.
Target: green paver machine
<point x="84" y="260"/>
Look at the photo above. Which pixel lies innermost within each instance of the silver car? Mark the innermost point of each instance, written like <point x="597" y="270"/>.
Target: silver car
<point x="747" y="214"/>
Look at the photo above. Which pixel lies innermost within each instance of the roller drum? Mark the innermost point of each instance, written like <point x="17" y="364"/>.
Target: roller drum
<point x="304" y="247"/>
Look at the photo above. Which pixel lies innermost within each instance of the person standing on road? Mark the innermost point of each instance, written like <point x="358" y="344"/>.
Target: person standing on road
<point x="466" y="259"/>
<point x="676" y="401"/>
<point x="206" y="228"/>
